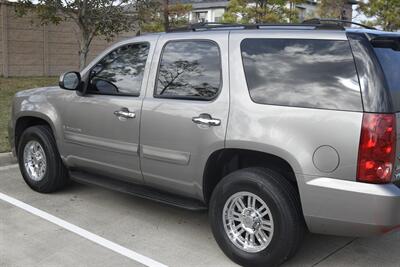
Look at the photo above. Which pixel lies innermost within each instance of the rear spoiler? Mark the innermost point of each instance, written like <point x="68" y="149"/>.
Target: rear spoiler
<point x="386" y="41"/>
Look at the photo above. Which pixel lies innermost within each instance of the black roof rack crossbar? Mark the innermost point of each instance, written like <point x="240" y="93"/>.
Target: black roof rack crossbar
<point x="214" y="26"/>
<point x="315" y="23"/>
<point x="336" y="21"/>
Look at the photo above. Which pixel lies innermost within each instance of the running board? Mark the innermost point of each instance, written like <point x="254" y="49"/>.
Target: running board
<point x="137" y="190"/>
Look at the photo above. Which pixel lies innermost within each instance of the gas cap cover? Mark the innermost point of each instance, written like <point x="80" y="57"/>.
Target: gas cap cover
<point x="326" y="159"/>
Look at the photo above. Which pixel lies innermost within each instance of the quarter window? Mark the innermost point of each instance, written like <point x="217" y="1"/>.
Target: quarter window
<point x="120" y="72"/>
<point x="189" y="69"/>
<point x="390" y="62"/>
<point x="301" y="73"/>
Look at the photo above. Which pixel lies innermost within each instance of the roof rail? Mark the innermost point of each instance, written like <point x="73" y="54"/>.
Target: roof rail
<point x="336" y="21"/>
<point x="203" y="26"/>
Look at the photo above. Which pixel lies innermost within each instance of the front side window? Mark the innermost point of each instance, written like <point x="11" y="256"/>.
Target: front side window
<point x="120" y="72"/>
<point x="189" y="69"/>
<point x="301" y="73"/>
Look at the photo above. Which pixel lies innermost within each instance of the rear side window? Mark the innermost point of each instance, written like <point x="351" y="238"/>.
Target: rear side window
<point x="301" y="73"/>
<point x="189" y="70"/>
<point x="390" y="62"/>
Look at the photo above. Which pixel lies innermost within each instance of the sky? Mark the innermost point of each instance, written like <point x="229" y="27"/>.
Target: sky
<point x="358" y="17"/>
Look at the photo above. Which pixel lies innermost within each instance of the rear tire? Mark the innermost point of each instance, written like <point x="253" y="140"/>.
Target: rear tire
<point x="274" y="218"/>
<point x="39" y="161"/>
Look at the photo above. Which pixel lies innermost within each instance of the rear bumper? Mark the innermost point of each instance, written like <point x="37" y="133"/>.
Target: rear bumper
<point x="349" y="208"/>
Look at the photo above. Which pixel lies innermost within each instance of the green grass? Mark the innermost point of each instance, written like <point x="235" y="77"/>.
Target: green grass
<point x="8" y="87"/>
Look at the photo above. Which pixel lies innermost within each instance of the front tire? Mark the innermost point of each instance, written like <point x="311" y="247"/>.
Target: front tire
<point x="256" y="217"/>
<point x="39" y="161"/>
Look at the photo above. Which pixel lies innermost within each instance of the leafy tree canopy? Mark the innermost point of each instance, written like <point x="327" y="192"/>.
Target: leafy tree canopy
<point x="385" y="13"/>
<point x="261" y="11"/>
<point x="331" y="9"/>
<point x="158" y="16"/>
<point x="105" y="18"/>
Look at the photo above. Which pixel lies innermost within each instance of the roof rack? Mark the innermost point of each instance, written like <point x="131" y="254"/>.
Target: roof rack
<point x="341" y="22"/>
<point x="315" y="23"/>
<point x="204" y="26"/>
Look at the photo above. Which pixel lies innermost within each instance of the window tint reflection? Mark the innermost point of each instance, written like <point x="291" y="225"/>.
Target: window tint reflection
<point x="390" y="62"/>
<point x="121" y="71"/>
<point x="189" y="69"/>
<point x="302" y="73"/>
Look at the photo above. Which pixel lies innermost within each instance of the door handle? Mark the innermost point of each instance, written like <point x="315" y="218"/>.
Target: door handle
<point x="125" y="113"/>
<point x="206" y="119"/>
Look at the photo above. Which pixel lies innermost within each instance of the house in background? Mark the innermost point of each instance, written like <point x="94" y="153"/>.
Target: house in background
<point x="213" y="10"/>
<point x="307" y="9"/>
<point x="204" y="10"/>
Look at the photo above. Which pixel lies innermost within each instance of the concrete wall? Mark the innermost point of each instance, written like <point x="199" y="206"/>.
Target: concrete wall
<point x="27" y="49"/>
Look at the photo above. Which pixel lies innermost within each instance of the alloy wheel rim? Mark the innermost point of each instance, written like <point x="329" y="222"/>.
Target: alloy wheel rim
<point x="248" y="222"/>
<point x="35" y="160"/>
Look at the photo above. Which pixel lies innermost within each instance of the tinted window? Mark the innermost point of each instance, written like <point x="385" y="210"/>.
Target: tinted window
<point x="301" y="73"/>
<point x="189" y="69"/>
<point x="390" y="62"/>
<point x="121" y="71"/>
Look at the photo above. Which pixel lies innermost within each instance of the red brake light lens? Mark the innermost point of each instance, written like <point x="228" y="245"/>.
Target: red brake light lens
<point x="376" y="154"/>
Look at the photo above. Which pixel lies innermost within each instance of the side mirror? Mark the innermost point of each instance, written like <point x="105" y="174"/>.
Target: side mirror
<point x="70" y="80"/>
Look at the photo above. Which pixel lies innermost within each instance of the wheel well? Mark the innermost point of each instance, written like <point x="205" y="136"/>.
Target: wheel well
<point x="22" y="124"/>
<point x="225" y="161"/>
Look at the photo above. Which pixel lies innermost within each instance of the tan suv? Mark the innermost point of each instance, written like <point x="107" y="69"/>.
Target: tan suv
<point x="273" y="128"/>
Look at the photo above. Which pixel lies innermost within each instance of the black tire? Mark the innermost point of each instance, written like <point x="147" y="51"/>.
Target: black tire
<point x="56" y="175"/>
<point x="284" y="204"/>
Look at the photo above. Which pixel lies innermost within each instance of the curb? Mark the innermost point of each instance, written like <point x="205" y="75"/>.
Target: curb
<point x="7" y="159"/>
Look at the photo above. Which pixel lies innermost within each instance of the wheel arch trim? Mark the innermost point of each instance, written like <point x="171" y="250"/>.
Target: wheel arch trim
<point x="36" y="115"/>
<point x="285" y="156"/>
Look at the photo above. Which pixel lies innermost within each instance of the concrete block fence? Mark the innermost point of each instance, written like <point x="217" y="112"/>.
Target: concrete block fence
<point x="28" y="49"/>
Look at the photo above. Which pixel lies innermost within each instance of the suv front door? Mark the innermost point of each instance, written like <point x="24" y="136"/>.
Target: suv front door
<point x="185" y="111"/>
<point x="101" y="127"/>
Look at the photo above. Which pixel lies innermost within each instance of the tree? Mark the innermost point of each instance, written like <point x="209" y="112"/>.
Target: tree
<point x="293" y="13"/>
<point x="261" y="11"/>
<point x="331" y="8"/>
<point x="165" y="13"/>
<point x="105" y="18"/>
<point x="237" y="12"/>
<point x="149" y="16"/>
<point x="178" y="14"/>
<point x="385" y="12"/>
<point x="156" y="16"/>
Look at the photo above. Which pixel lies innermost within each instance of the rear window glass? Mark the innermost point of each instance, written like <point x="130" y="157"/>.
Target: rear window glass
<point x="301" y="73"/>
<point x="390" y="62"/>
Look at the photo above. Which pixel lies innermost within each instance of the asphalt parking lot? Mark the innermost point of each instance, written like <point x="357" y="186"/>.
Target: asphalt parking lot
<point x="162" y="234"/>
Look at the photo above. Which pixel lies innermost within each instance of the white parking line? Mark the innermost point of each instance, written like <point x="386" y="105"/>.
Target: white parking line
<point x="82" y="232"/>
<point x="4" y="168"/>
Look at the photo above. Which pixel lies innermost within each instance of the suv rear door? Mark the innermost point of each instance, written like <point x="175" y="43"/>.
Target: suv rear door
<point x="185" y="111"/>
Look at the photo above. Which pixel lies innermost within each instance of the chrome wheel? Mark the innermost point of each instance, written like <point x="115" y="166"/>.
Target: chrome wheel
<point x="35" y="160"/>
<point x="248" y="222"/>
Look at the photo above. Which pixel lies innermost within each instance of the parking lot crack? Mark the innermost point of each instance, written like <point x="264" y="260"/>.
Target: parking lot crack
<point x="333" y="252"/>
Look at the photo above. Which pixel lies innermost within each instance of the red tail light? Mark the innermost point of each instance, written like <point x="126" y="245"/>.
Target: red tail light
<point x="376" y="154"/>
